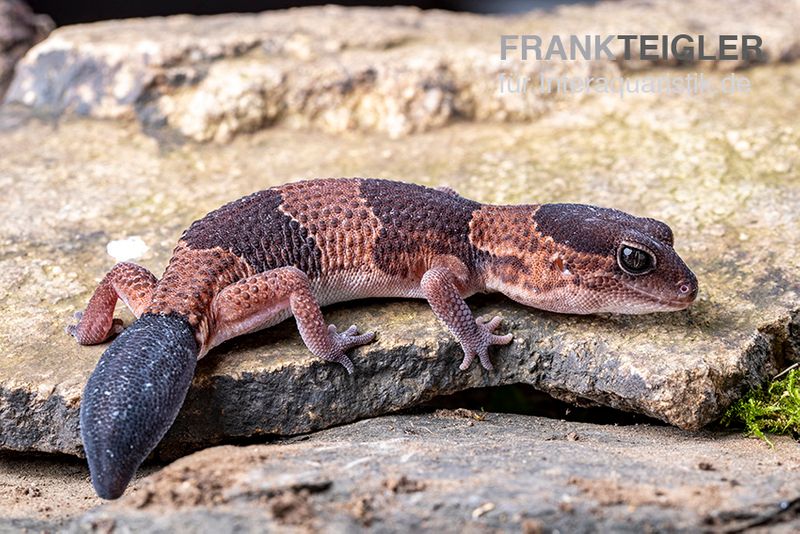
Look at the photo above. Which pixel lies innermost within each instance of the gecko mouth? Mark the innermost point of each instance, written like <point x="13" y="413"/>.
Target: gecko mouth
<point x="676" y="304"/>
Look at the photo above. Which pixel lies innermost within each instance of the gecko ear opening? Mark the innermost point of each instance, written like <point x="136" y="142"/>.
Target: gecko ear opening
<point x="133" y="397"/>
<point x="558" y="264"/>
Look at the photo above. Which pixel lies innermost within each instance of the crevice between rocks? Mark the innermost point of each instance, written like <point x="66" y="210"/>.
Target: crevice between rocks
<point x="524" y="399"/>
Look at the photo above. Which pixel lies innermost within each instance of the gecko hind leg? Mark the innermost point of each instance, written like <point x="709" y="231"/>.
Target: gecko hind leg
<point x="128" y="282"/>
<point x="267" y="298"/>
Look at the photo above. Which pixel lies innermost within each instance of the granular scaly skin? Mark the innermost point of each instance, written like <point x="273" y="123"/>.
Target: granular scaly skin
<point x="288" y="250"/>
<point x="133" y="397"/>
<point x="130" y="282"/>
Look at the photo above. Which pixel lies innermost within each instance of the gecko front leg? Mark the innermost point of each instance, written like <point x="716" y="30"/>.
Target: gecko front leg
<point x="132" y="284"/>
<point x="475" y="336"/>
<point x="267" y="298"/>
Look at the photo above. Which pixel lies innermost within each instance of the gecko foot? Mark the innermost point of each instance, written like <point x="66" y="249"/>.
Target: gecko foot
<point x="343" y="341"/>
<point x="72" y="329"/>
<point x="487" y="338"/>
<point x="80" y="332"/>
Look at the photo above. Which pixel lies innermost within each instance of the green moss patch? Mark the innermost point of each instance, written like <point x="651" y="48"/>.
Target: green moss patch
<point x="773" y="409"/>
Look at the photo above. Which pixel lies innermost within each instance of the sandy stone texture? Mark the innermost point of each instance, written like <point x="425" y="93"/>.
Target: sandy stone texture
<point x="470" y="471"/>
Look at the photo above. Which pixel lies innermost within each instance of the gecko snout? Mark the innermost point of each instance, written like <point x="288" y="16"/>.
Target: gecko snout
<point x="687" y="290"/>
<point x="133" y="397"/>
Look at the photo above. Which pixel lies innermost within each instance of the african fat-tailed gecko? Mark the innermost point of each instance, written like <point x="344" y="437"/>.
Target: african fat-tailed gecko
<point x="291" y="249"/>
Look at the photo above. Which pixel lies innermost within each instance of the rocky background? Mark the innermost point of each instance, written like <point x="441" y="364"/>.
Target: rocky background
<point x="126" y="131"/>
<point x="20" y="29"/>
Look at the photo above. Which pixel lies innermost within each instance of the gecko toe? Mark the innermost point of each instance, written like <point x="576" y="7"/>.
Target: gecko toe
<point x="72" y="329"/>
<point x="346" y="363"/>
<point x="486" y="363"/>
<point x="502" y="340"/>
<point x="483" y="357"/>
<point x="489" y="325"/>
<point x="351" y="331"/>
<point x="350" y="338"/>
<point x="363" y="339"/>
<point x="467" y="361"/>
<point x="492" y="325"/>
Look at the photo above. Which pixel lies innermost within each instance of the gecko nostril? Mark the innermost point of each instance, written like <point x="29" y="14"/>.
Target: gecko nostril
<point x="687" y="291"/>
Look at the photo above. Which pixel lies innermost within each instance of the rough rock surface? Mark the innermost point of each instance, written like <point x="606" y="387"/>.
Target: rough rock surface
<point x="395" y="71"/>
<point x="462" y="471"/>
<point x="20" y="29"/>
<point x="721" y="170"/>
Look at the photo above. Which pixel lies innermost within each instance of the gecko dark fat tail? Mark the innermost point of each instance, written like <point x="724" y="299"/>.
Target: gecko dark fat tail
<point x="288" y="250"/>
<point x="133" y="396"/>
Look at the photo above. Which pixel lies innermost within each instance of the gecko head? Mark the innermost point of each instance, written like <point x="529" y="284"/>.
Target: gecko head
<point x="133" y="396"/>
<point x="599" y="260"/>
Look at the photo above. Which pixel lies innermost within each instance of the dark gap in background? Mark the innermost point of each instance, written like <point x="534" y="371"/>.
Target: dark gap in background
<point x="523" y="399"/>
<point x="77" y="11"/>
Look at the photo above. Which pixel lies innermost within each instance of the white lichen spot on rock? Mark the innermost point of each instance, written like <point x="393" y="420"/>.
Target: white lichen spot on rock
<point x="130" y="248"/>
<point x="483" y="510"/>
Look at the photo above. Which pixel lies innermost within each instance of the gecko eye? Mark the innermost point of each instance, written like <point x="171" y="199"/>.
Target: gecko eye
<point x="635" y="261"/>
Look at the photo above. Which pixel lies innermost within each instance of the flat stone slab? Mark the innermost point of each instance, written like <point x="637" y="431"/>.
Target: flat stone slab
<point x="723" y="171"/>
<point x="465" y="471"/>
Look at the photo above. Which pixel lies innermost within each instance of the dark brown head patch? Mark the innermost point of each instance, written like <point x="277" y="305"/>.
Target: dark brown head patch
<point x="418" y="223"/>
<point x="659" y="230"/>
<point x="587" y="241"/>
<point x="584" y="229"/>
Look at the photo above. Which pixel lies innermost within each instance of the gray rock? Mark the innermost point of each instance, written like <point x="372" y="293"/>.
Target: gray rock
<point x="20" y="29"/>
<point x="721" y="170"/>
<point x="395" y="71"/>
<point x="462" y="471"/>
